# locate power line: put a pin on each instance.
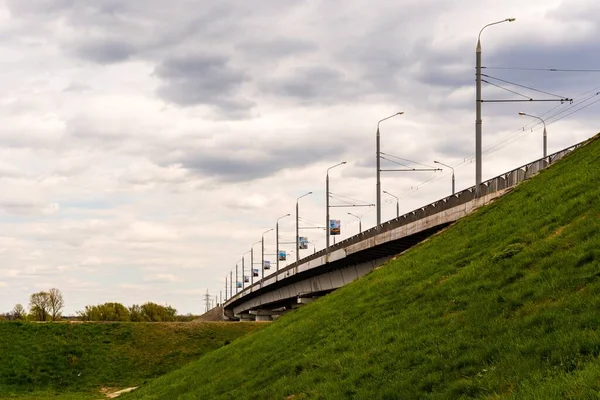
(395, 162)
(571, 113)
(523, 86)
(508, 90)
(544, 69)
(571, 107)
(339, 196)
(407, 160)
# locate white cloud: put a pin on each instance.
(144, 146)
(161, 278)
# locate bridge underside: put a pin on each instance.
(301, 288)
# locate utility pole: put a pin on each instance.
(327, 231)
(207, 301)
(277, 244)
(262, 252)
(478, 101)
(378, 159)
(298, 231)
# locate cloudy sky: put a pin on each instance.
(146, 145)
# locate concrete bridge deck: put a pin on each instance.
(356, 256)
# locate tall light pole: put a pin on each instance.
(397, 203)
(543, 122)
(378, 157)
(252, 262)
(478, 123)
(327, 210)
(262, 258)
(225, 287)
(298, 231)
(236, 278)
(445, 165)
(277, 242)
(231, 284)
(244, 268)
(359, 222)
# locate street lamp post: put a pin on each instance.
(236, 278)
(359, 222)
(378, 158)
(243, 272)
(478, 122)
(225, 287)
(277, 244)
(252, 262)
(298, 232)
(397, 203)
(262, 258)
(327, 210)
(231, 284)
(545, 138)
(445, 165)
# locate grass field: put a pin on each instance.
(74, 361)
(505, 304)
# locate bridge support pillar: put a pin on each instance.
(263, 315)
(246, 317)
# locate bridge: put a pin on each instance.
(326, 270)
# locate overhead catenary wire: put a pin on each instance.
(339, 197)
(576, 104)
(395, 162)
(407, 160)
(523, 86)
(543, 69)
(554, 117)
(508, 90)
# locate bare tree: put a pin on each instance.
(39, 305)
(55, 303)
(18, 312)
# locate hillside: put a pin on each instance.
(503, 304)
(77, 360)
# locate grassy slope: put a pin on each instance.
(38, 360)
(504, 304)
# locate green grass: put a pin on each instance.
(505, 304)
(43, 360)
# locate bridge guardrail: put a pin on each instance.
(500, 182)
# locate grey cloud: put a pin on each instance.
(577, 11)
(19, 7)
(583, 55)
(275, 48)
(238, 164)
(104, 50)
(202, 79)
(317, 83)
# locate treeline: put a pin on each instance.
(43, 306)
(48, 306)
(147, 312)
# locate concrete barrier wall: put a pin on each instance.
(445, 210)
